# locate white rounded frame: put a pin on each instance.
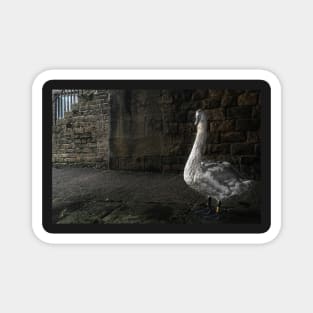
(158, 74)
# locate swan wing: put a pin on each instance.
(220, 179)
(221, 169)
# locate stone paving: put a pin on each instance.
(89, 195)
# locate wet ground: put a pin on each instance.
(88, 195)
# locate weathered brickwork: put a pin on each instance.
(81, 137)
(153, 130)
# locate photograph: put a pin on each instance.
(156, 156)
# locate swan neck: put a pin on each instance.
(199, 145)
(197, 151)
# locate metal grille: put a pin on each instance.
(64, 100)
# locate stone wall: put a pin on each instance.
(81, 138)
(153, 130)
(136, 140)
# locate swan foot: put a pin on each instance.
(218, 209)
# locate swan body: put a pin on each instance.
(216, 179)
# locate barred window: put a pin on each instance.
(64, 101)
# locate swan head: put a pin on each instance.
(200, 117)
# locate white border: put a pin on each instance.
(276, 125)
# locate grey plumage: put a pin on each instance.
(216, 179)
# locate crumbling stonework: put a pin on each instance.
(153, 130)
(81, 137)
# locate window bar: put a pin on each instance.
(58, 115)
(72, 99)
(66, 101)
(59, 105)
(62, 106)
(61, 101)
(69, 100)
(55, 108)
(73, 95)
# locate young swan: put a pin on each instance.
(216, 179)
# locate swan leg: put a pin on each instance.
(219, 207)
(209, 204)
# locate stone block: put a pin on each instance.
(222, 148)
(242, 149)
(248, 98)
(233, 136)
(216, 94)
(199, 94)
(210, 103)
(215, 114)
(238, 112)
(222, 126)
(248, 124)
(228, 100)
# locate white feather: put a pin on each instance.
(218, 179)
